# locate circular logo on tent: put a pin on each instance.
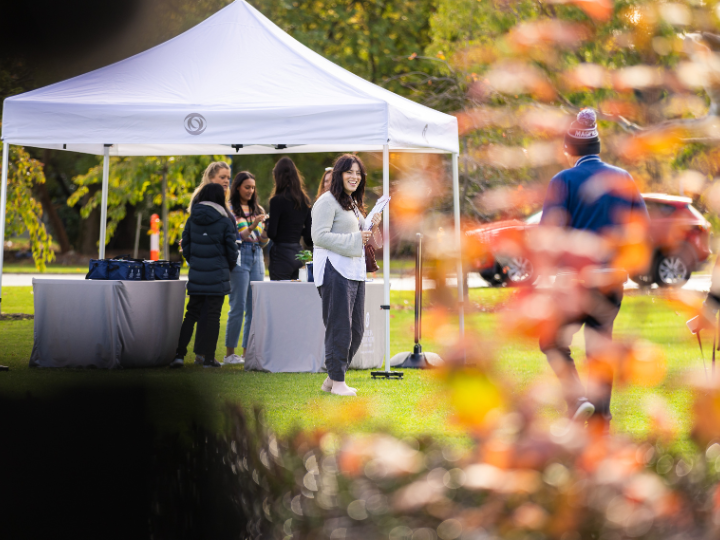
(367, 319)
(195, 123)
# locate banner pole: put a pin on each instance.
(386, 253)
(103, 205)
(458, 247)
(3, 203)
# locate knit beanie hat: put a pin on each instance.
(582, 138)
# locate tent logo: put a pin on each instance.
(195, 123)
(424, 133)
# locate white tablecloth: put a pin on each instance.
(106, 324)
(287, 332)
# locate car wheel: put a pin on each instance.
(493, 275)
(518, 271)
(643, 281)
(671, 270)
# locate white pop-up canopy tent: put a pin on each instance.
(234, 84)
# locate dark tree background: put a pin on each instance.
(46, 41)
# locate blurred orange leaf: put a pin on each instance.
(546, 32)
(661, 141)
(600, 10)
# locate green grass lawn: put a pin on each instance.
(413, 406)
(52, 268)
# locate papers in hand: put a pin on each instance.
(377, 209)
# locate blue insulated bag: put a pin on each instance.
(149, 270)
(162, 270)
(174, 270)
(167, 271)
(126, 270)
(98, 269)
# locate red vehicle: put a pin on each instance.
(680, 236)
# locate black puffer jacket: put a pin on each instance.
(208, 244)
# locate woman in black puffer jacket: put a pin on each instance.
(208, 244)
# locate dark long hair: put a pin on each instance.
(235, 202)
(342, 164)
(211, 193)
(289, 183)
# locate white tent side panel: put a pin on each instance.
(249, 83)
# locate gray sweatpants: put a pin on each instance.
(343, 308)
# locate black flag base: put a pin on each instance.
(416, 359)
(387, 374)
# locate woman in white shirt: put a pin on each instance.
(338, 220)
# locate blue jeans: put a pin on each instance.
(252, 268)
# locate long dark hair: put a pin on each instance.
(289, 183)
(343, 164)
(235, 202)
(211, 193)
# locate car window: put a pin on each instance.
(534, 219)
(658, 209)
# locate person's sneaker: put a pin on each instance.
(327, 385)
(199, 359)
(234, 359)
(211, 363)
(584, 411)
(177, 363)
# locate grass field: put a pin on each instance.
(413, 406)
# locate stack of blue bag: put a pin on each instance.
(125, 268)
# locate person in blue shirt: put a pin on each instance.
(595, 210)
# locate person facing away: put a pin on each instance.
(208, 244)
(338, 220)
(289, 220)
(251, 239)
(594, 205)
(217, 172)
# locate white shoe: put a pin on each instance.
(341, 389)
(584, 411)
(328, 384)
(234, 359)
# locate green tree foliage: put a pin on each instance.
(138, 181)
(23, 212)
(369, 38)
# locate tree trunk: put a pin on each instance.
(56, 224)
(89, 228)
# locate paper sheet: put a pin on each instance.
(377, 209)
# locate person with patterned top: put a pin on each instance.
(252, 237)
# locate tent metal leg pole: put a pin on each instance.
(458, 243)
(386, 253)
(387, 374)
(103, 206)
(3, 203)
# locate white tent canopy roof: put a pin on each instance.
(236, 78)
